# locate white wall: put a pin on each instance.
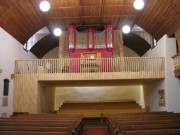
(151, 95)
(151, 89)
(98, 93)
(10, 51)
(166, 47)
(159, 50)
(172, 82)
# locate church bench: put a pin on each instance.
(96, 108)
(38, 121)
(141, 117)
(130, 119)
(73, 123)
(144, 117)
(76, 127)
(141, 114)
(43, 118)
(40, 126)
(49, 116)
(97, 113)
(152, 132)
(117, 122)
(32, 133)
(121, 129)
(21, 126)
(51, 124)
(143, 122)
(35, 129)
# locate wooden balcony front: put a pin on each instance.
(93, 69)
(176, 60)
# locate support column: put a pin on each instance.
(119, 43)
(63, 45)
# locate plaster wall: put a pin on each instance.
(98, 93)
(166, 47)
(10, 51)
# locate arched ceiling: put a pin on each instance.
(22, 18)
(44, 45)
(136, 43)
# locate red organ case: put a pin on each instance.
(90, 45)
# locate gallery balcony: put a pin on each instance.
(92, 69)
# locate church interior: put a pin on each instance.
(89, 67)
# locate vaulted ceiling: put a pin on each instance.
(23, 18)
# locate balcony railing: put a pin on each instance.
(176, 60)
(110, 68)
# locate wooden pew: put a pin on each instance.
(35, 129)
(129, 123)
(153, 132)
(31, 133)
(125, 128)
(96, 108)
(144, 122)
(34, 124)
(48, 116)
(52, 124)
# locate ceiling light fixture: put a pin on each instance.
(138, 4)
(126, 29)
(44, 6)
(57, 32)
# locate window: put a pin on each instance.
(154, 43)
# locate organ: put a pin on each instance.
(90, 45)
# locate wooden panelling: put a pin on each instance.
(46, 95)
(5, 5)
(25, 94)
(160, 17)
(22, 18)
